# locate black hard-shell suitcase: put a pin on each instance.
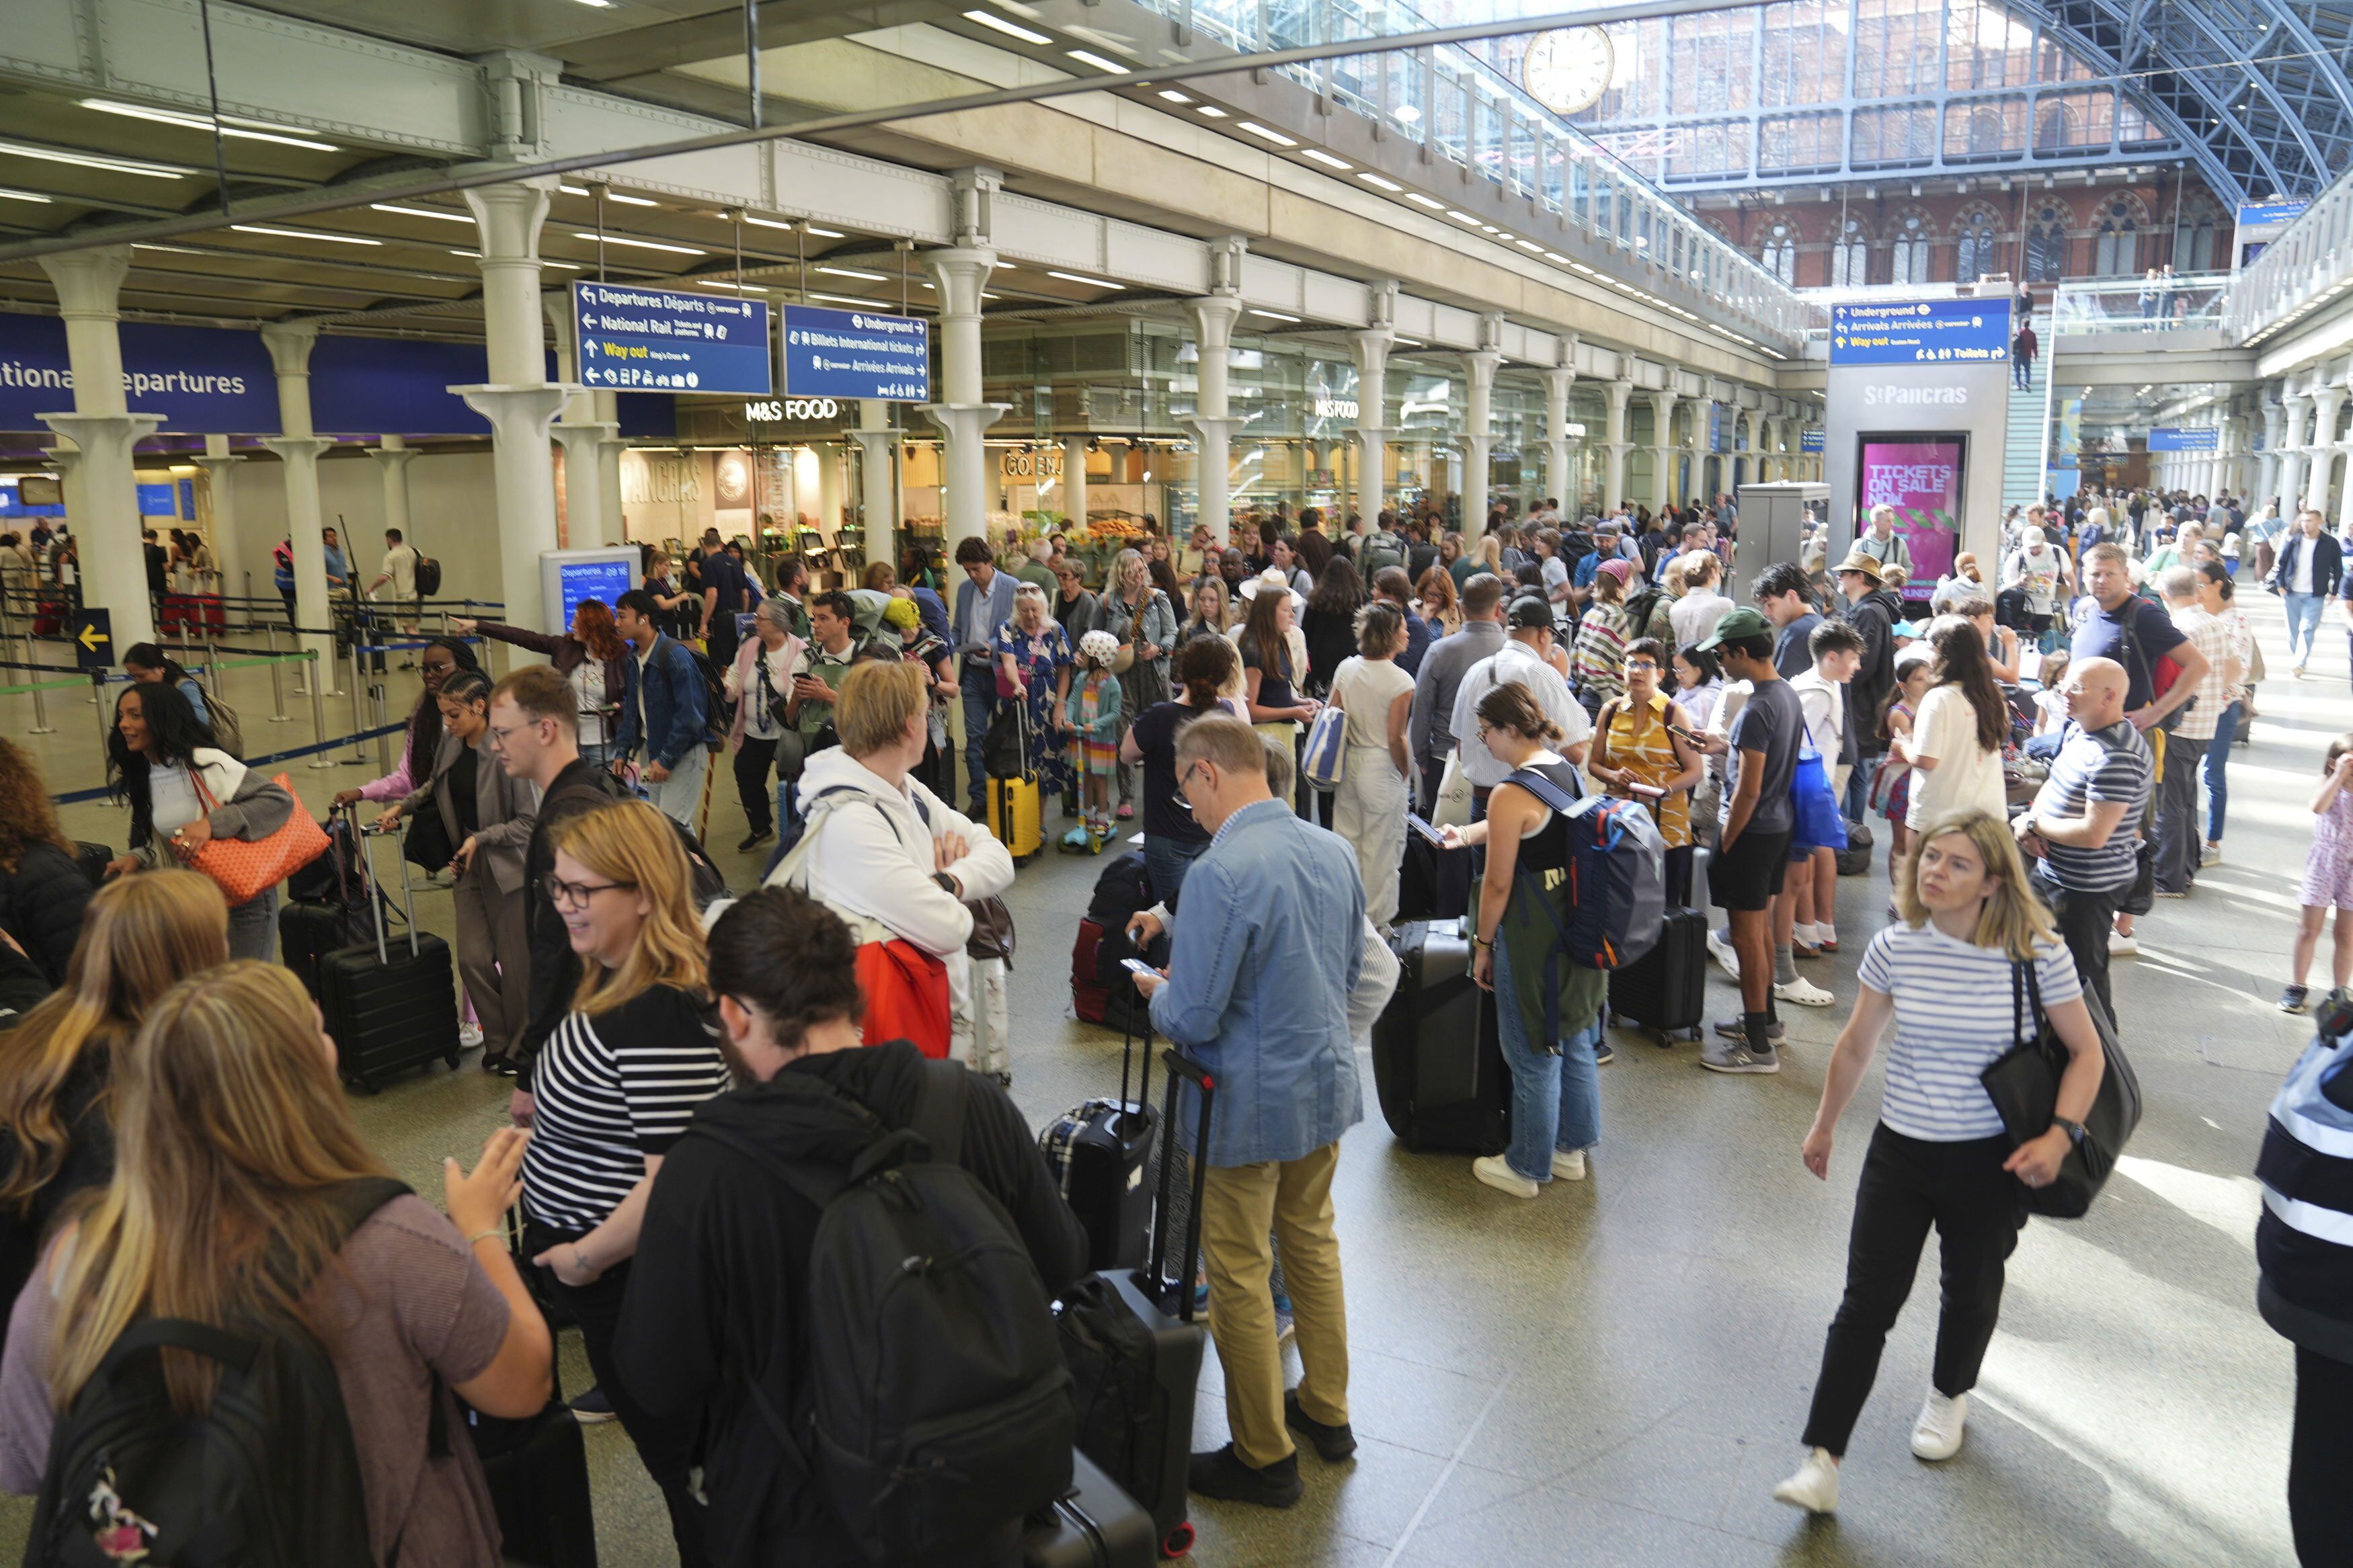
(1103, 1164)
(1094, 1525)
(390, 1011)
(1434, 884)
(536, 1467)
(1134, 1348)
(306, 934)
(1666, 991)
(1438, 1060)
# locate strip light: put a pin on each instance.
(236, 130)
(1329, 161)
(1089, 58)
(617, 199)
(1082, 278)
(1010, 29)
(1273, 315)
(9, 195)
(1379, 181)
(640, 244)
(864, 277)
(1417, 199)
(88, 161)
(419, 212)
(1266, 133)
(302, 234)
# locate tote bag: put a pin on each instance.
(1819, 823)
(1324, 754)
(2023, 1085)
(1453, 807)
(243, 869)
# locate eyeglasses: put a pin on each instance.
(1650, 665)
(566, 895)
(499, 736)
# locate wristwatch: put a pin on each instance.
(2074, 1130)
(949, 884)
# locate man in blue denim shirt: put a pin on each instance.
(1263, 953)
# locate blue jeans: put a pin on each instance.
(2217, 763)
(1555, 1098)
(1166, 861)
(979, 684)
(2303, 625)
(1857, 788)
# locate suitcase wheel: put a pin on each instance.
(1178, 1542)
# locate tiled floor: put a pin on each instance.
(1616, 1372)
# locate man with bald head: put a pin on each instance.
(2085, 824)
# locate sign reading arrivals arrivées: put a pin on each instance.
(857, 354)
(1920, 331)
(662, 340)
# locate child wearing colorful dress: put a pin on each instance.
(1091, 713)
(2328, 874)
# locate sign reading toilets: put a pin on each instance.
(661, 339)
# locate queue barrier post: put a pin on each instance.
(318, 710)
(383, 741)
(277, 681)
(97, 694)
(41, 725)
(359, 719)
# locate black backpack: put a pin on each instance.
(937, 1401)
(267, 1478)
(718, 708)
(428, 575)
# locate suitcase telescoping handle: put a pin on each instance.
(1181, 1067)
(365, 834)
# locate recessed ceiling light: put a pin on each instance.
(1378, 181)
(87, 161)
(1082, 278)
(768, 222)
(175, 249)
(642, 244)
(1266, 133)
(1329, 161)
(1460, 216)
(1010, 29)
(1405, 342)
(568, 265)
(595, 4)
(822, 232)
(8, 195)
(1528, 245)
(302, 234)
(617, 197)
(862, 277)
(1171, 95)
(847, 300)
(419, 212)
(1209, 109)
(1489, 228)
(739, 288)
(1432, 203)
(1089, 58)
(247, 132)
(573, 190)
(1557, 255)
(1273, 315)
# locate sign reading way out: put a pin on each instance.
(671, 341)
(857, 354)
(1920, 331)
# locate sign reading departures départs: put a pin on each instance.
(658, 340)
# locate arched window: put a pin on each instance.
(2117, 241)
(1908, 253)
(1850, 255)
(1976, 247)
(1779, 253)
(2046, 244)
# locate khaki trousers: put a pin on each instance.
(1240, 1204)
(493, 957)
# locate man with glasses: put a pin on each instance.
(534, 732)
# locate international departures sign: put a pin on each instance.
(857, 354)
(659, 339)
(1920, 331)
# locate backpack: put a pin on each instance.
(428, 575)
(1639, 609)
(1382, 548)
(938, 1406)
(717, 704)
(267, 1478)
(1608, 910)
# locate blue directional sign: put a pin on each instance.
(857, 354)
(1920, 331)
(657, 340)
(2270, 214)
(1810, 439)
(2168, 438)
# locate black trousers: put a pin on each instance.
(1908, 1187)
(2084, 921)
(2319, 1460)
(723, 642)
(2175, 825)
(1677, 871)
(753, 758)
(666, 1446)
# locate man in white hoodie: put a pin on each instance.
(886, 854)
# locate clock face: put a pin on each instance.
(1568, 69)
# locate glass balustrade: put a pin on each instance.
(2191, 300)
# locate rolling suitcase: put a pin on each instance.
(1438, 1060)
(1090, 998)
(1014, 816)
(1099, 1150)
(389, 1011)
(1094, 1525)
(1434, 884)
(1134, 1349)
(1665, 990)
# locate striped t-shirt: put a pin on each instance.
(1953, 1020)
(2111, 767)
(609, 1090)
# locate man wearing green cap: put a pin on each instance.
(1753, 849)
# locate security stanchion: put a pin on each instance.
(317, 713)
(105, 720)
(359, 719)
(383, 741)
(277, 681)
(41, 725)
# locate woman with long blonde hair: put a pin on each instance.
(140, 936)
(1971, 940)
(612, 1090)
(246, 1199)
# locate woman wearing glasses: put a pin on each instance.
(1638, 753)
(612, 1088)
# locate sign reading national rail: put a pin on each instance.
(857, 354)
(658, 340)
(1920, 331)
(2168, 438)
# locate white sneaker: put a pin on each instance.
(1568, 1165)
(2210, 856)
(1806, 935)
(469, 1035)
(1724, 955)
(1804, 993)
(1937, 1433)
(1497, 1173)
(2121, 945)
(1815, 1486)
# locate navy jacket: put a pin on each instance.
(678, 709)
(2327, 562)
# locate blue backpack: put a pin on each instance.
(1608, 910)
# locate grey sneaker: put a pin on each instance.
(1736, 1030)
(1728, 1056)
(2294, 999)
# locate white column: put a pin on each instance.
(1478, 368)
(298, 450)
(220, 466)
(2267, 461)
(1558, 384)
(1371, 347)
(2291, 476)
(1614, 445)
(878, 445)
(105, 432)
(1074, 482)
(1212, 427)
(518, 399)
(396, 454)
(611, 526)
(1662, 428)
(2322, 447)
(957, 274)
(580, 432)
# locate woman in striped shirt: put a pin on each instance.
(612, 1090)
(1598, 665)
(1939, 1155)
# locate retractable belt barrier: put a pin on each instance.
(77, 797)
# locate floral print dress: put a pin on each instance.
(1042, 657)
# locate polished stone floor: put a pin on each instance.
(1616, 1372)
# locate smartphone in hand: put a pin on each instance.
(1422, 826)
(1137, 966)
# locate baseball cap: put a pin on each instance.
(1736, 625)
(1528, 612)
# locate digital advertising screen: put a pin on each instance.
(1920, 477)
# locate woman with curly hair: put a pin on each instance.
(593, 660)
(42, 889)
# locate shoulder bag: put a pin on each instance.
(1324, 755)
(2023, 1085)
(906, 989)
(244, 869)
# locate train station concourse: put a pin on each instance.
(1367, 568)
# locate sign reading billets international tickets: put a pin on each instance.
(1920, 331)
(661, 339)
(857, 354)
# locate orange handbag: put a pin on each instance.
(906, 991)
(244, 869)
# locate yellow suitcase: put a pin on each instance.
(1014, 815)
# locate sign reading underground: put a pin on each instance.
(653, 340)
(857, 354)
(1920, 331)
